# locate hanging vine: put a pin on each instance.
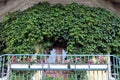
(82, 29)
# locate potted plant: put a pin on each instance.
(31, 63)
(59, 66)
(77, 63)
(99, 62)
(17, 63)
(96, 63)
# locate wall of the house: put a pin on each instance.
(14, 5)
(93, 3)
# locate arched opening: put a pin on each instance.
(57, 54)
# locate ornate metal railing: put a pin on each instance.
(59, 67)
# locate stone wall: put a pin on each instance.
(93, 3)
(24, 4)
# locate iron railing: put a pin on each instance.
(59, 67)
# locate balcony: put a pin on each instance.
(74, 67)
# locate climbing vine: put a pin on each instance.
(82, 29)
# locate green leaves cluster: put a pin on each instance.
(81, 28)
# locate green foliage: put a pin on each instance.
(81, 28)
(21, 75)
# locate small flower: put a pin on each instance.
(101, 59)
(67, 61)
(90, 61)
(78, 59)
(13, 59)
(18, 60)
(27, 59)
(41, 61)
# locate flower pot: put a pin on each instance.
(19, 66)
(39, 66)
(58, 66)
(79, 66)
(89, 67)
(48, 66)
(99, 66)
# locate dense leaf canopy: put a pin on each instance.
(81, 29)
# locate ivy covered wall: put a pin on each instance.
(81, 29)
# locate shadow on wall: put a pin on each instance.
(116, 2)
(4, 1)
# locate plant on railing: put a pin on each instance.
(94, 60)
(25, 60)
(74, 60)
(98, 60)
